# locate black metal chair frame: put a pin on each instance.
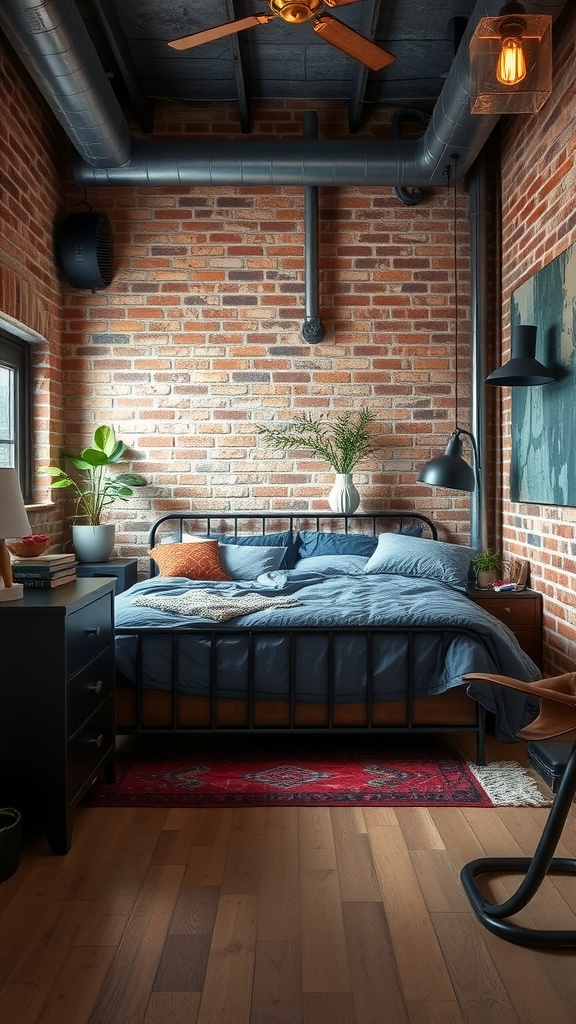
(494, 915)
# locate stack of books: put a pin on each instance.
(45, 571)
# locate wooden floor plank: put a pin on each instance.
(172, 1008)
(77, 985)
(41, 961)
(329, 1008)
(126, 990)
(196, 907)
(324, 964)
(435, 1013)
(418, 828)
(482, 997)
(356, 874)
(277, 989)
(425, 976)
(324, 958)
(375, 984)
(435, 873)
(228, 987)
(279, 897)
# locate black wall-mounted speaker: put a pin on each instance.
(85, 250)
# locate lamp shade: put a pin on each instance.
(522, 369)
(13, 518)
(450, 469)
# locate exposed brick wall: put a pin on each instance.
(197, 340)
(539, 222)
(31, 200)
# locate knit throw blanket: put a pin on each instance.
(207, 605)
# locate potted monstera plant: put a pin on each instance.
(95, 490)
(342, 443)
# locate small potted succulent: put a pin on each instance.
(342, 443)
(95, 490)
(486, 565)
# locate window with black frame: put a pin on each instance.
(15, 409)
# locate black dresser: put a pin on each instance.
(57, 725)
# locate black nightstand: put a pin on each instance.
(57, 720)
(124, 569)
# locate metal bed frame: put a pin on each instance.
(370, 524)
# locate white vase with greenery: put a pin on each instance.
(343, 496)
(95, 491)
(342, 443)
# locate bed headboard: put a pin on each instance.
(235, 524)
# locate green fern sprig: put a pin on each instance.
(342, 443)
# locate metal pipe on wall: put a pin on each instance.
(484, 323)
(312, 330)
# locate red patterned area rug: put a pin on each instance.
(280, 773)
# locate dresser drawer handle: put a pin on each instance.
(96, 687)
(99, 740)
(94, 631)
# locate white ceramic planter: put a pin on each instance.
(344, 497)
(93, 543)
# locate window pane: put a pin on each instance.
(15, 409)
(8, 385)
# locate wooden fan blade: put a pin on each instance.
(352, 43)
(219, 31)
(340, 3)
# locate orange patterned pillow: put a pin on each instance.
(196, 561)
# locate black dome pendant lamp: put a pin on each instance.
(522, 369)
(451, 470)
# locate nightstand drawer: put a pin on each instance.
(522, 613)
(89, 632)
(88, 689)
(89, 748)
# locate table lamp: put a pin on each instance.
(13, 523)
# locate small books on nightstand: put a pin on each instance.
(45, 571)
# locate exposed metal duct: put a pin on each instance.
(52, 42)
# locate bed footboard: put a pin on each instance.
(144, 704)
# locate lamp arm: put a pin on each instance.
(473, 442)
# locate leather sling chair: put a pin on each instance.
(557, 715)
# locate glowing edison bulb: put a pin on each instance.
(511, 67)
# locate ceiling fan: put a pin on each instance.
(296, 11)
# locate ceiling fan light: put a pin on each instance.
(511, 62)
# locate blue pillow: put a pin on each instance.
(283, 539)
(412, 556)
(243, 562)
(332, 565)
(412, 531)
(314, 542)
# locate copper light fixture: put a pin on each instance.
(511, 62)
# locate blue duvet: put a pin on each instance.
(410, 612)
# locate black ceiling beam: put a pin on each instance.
(238, 62)
(368, 26)
(106, 14)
